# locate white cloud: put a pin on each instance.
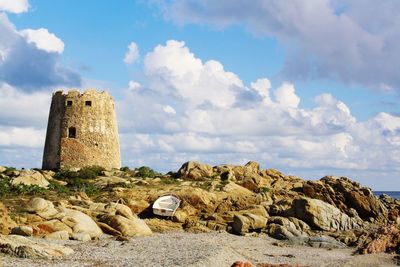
(286, 96)
(221, 120)
(353, 42)
(44, 40)
(12, 136)
(174, 70)
(132, 55)
(25, 66)
(23, 109)
(14, 6)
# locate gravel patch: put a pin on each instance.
(205, 249)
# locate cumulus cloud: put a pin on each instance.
(30, 60)
(286, 96)
(44, 40)
(353, 42)
(132, 55)
(14, 6)
(197, 110)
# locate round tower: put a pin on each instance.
(82, 131)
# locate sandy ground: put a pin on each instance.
(211, 249)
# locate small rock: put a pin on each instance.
(242, 264)
(2, 169)
(19, 246)
(23, 230)
(59, 235)
(128, 227)
(81, 237)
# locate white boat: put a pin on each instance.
(166, 205)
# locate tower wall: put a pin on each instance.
(82, 131)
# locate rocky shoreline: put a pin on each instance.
(260, 210)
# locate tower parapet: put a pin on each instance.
(82, 131)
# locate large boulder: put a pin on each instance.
(193, 170)
(346, 195)
(6, 223)
(81, 223)
(19, 246)
(321, 215)
(286, 228)
(30, 177)
(248, 222)
(127, 227)
(42, 207)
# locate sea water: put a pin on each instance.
(393, 194)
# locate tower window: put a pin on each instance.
(69, 103)
(88, 103)
(72, 132)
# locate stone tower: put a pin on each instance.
(81, 131)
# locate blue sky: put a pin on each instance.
(310, 88)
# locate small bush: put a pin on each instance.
(66, 175)
(59, 189)
(89, 172)
(146, 172)
(29, 190)
(5, 187)
(90, 189)
(265, 190)
(124, 169)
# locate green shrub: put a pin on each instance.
(59, 189)
(89, 172)
(146, 172)
(66, 175)
(124, 169)
(5, 187)
(90, 189)
(265, 190)
(21, 189)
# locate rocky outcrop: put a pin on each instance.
(193, 170)
(22, 247)
(30, 177)
(248, 222)
(6, 223)
(316, 213)
(346, 195)
(286, 228)
(385, 239)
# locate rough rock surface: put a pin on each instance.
(321, 215)
(345, 194)
(6, 223)
(193, 170)
(20, 246)
(127, 227)
(81, 223)
(386, 239)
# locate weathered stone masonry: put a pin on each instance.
(82, 131)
